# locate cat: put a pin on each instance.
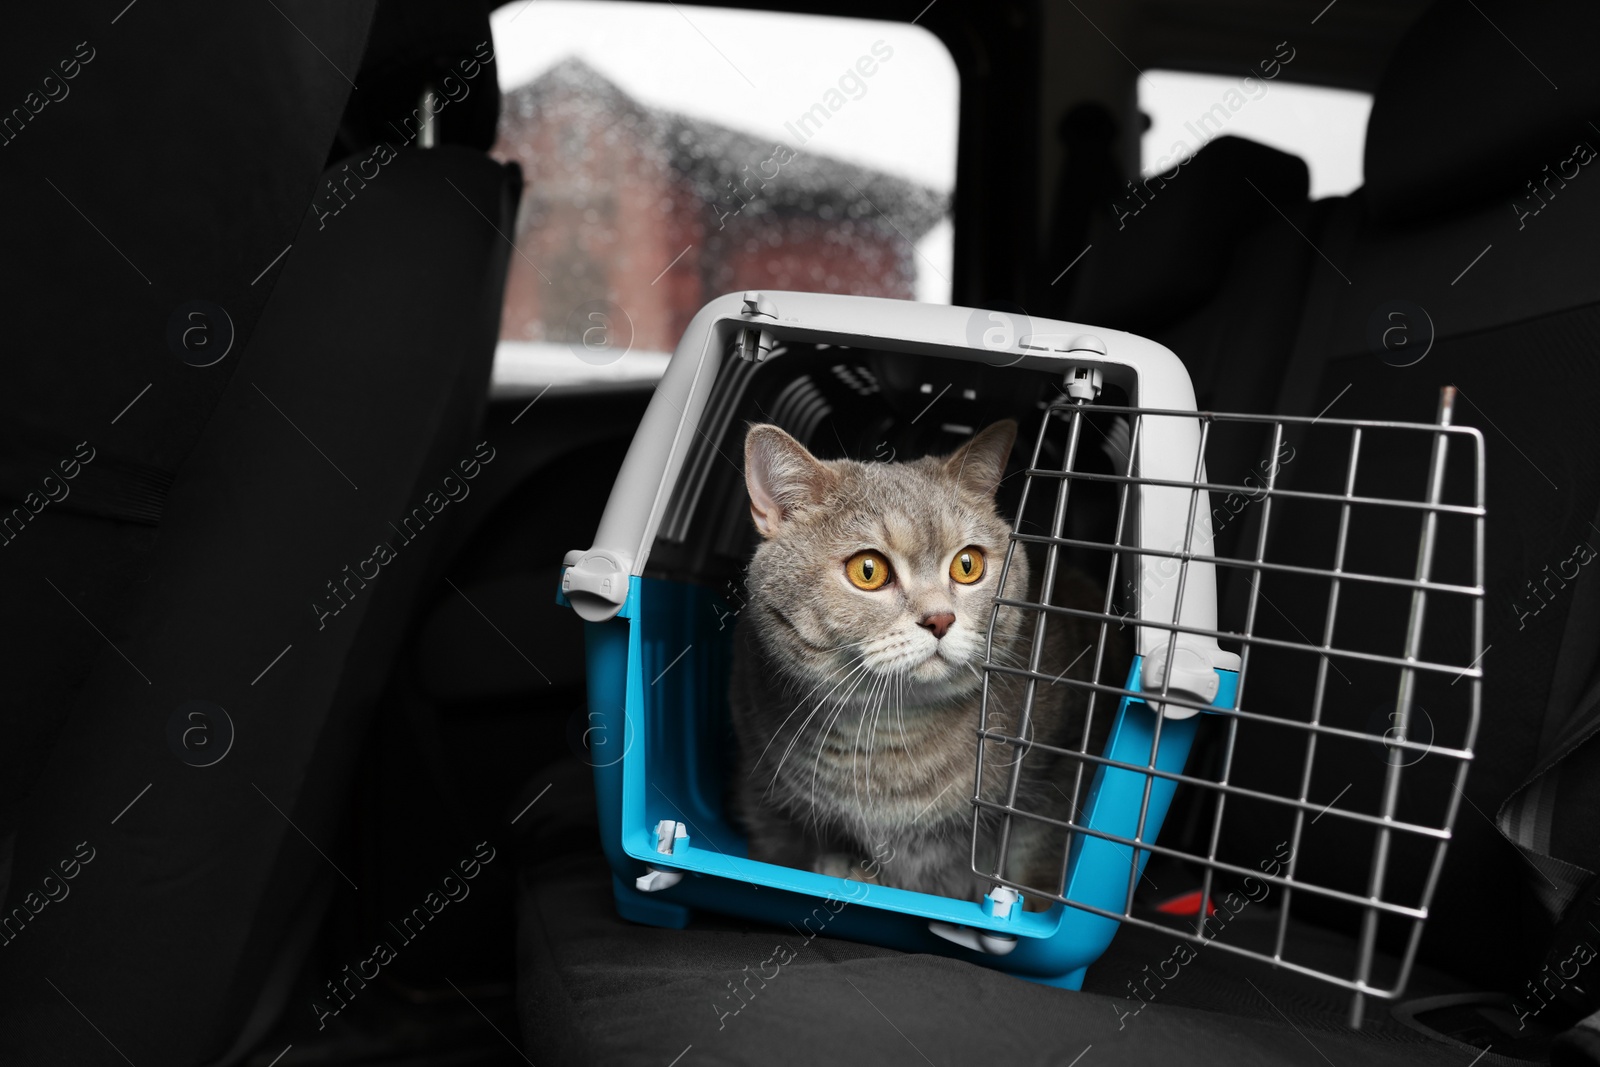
(857, 677)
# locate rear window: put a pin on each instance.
(1325, 127)
(675, 153)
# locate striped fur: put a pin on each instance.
(856, 726)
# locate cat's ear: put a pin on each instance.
(979, 464)
(781, 476)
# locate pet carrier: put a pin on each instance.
(1123, 478)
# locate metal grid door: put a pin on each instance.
(1330, 556)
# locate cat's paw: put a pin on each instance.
(833, 864)
(841, 865)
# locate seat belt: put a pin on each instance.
(1563, 994)
(1557, 809)
(1528, 817)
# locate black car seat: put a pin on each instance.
(118, 239)
(1476, 211)
(358, 391)
(1205, 259)
(1460, 121)
(1476, 220)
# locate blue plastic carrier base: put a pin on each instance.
(659, 738)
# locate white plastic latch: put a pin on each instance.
(654, 880)
(985, 941)
(758, 305)
(668, 834)
(1193, 676)
(754, 346)
(596, 586)
(1000, 900)
(1083, 382)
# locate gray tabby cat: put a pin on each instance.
(856, 680)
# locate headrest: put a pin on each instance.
(1168, 240)
(1478, 97)
(415, 44)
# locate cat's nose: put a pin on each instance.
(938, 623)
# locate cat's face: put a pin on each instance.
(879, 574)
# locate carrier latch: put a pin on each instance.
(755, 345)
(1083, 382)
(1193, 675)
(596, 585)
(668, 834)
(1000, 902)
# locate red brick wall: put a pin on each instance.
(603, 215)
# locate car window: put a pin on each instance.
(675, 153)
(1325, 127)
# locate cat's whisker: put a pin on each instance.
(853, 680)
(863, 717)
(860, 667)
(795, 680)
(798, 705)
(777, 771)
(872, 735)
(900, 711)
(855, 752)
(891, 681)
(890, 698)
(822, 739)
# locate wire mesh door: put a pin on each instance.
(1348, 567)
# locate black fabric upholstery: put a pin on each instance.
(1090, 177)
(1478, 97)
(361, 389)
(1213, 268)
(1530, 523)
(1511, 309)
(1509, 306)
(1166, 243)
(596, 989)
(508, 548)
(1270, 312)
(122, 191)
(420, 43)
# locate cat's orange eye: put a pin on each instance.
(967, 567)
(867, 570)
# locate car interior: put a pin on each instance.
(301, 418)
